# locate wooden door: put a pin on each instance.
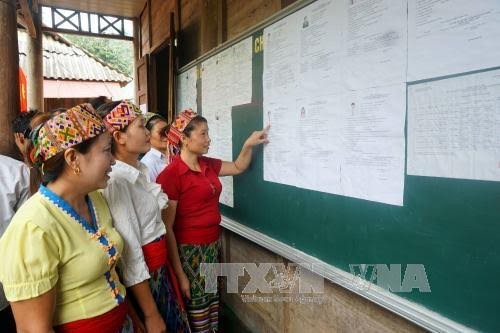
(141, 87)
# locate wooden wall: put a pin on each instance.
(189, 34)
(144, 31)
(160, 25)
(201, 24)
(242, 15)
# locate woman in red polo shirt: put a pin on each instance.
(192, 184)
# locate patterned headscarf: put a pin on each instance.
(175, 132)
(121, 116)
(64, 131)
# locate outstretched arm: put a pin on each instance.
(245, 156)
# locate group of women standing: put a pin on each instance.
(102, 247)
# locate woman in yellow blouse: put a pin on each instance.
(60, 250)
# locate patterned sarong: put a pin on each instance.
(166, 301)
(203, 308)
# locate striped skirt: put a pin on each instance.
(203, 308)
(166, 300)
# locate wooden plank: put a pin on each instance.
(142, 76)
(81, 33)
(160, 22)
(190, 12)
(144, 30)
(189, 35)
(242, 15)
(208, 25)
(153, 83)
(148, 13)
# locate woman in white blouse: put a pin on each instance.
(155, 158)
(136, 204)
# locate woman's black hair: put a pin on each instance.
(21, 124)
(98, 101)
(153, 120)
(105, 108)
(192, 124)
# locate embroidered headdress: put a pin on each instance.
(175, 132)
(121, 116)
(64, 131)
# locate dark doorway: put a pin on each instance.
(159, 81)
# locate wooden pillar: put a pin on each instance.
(34, 68)
(9, 74)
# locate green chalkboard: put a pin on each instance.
(450, 226)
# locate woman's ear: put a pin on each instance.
(119, 137)
(20, 140)
(71, 157)
(183, 138)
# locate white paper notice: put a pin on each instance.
(447, 37)
(374, 144)
(329, 132)
(226, 82)
(318, 143)
(280, 80)
(186, 93)
(320, 48)
(280, 154)
(281, 45)
(375, 43)
(454, 127)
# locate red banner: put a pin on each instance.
(22, 91)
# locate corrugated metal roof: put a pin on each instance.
(63, 60)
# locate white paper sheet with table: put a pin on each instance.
(454, 127)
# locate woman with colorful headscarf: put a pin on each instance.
(192, 184)
(60, 250)
(136, 203)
